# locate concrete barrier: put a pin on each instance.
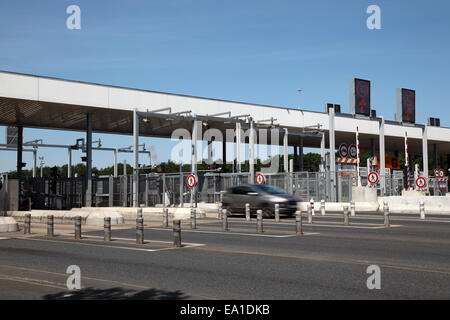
(339, 206)
(411, 205)
(92, 218)
(8, 224)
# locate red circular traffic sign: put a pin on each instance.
(372, 177)
(191, 180)
(436, 173)
(343, 150)
(421, 182)
(260, 178)
(441, 173)
(352, 151)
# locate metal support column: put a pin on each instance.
(425, 152)
(285, 151)
(300, 152)
(322, 152)
(116, 153)
(89, 160)
(251, 159)
(19, 159)
(238, 147)
(332, 156)
(224, 152)
(382, 159)
(34, 161)
(69, 163)
(194, 157)
(136, 158)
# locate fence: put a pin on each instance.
(171, 189)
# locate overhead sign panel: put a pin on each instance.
(406, 105)
(360, 97)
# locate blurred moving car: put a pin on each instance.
(260, 197)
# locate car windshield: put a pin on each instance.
(269, 189)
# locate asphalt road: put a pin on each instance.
(328, 262)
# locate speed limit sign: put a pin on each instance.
(373, 177)
(421, 182)
(343, 150)
(191, 181)
(260, 179)
(352, 150)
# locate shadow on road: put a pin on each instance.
(116, 294)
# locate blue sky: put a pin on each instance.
(253, 51)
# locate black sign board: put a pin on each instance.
(406, 105)
(360, 97)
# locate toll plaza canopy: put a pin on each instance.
(49, 103)
(43, 102)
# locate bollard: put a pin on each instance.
(219, 213)
(177, 233)
(277, 212)
(422, 209)
(165, 218)
(50, 226)
(346, 223)
(247, 212)
(139, 213)
(298, 223)
(259, 221)
(29, 203)
(27, 224)
(78, 227)
(309, 214)
(107, 229)
(311, 203)
(224, 220)
(139, 231)
(386, 214)
(322, 207)
(352, 208)
(193, 219)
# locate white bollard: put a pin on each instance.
(277, 212)
(352, 208)
(422, 209)
(322, 207)
(247, 212)
(311, 203)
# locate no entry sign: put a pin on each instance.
(343, 150)
(373, 177)
(421, 182)
(260, 179)
(352, 151)
(191, 181)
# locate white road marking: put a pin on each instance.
(360, 226)
(115, 247)
(2, 238)
(240, 234)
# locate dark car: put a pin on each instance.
(259, 196)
